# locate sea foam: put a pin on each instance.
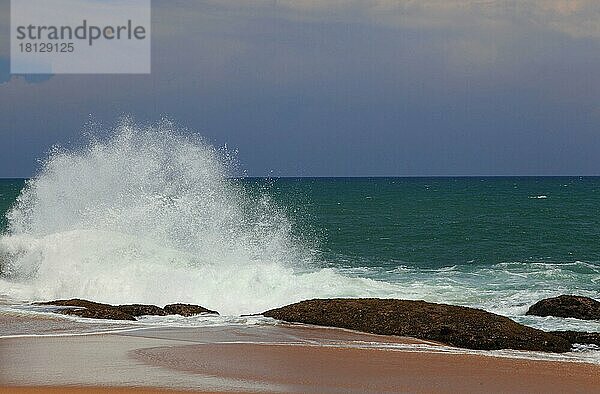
(151, 215)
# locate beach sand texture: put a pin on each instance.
(280, 358)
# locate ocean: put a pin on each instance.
(150, 216)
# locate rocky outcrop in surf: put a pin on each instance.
(186, 310)
(89, 309)
(579, 337)
(96, 310)
(141, 310)
(453, 325)
(567, 306)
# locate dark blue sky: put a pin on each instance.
(344, 88)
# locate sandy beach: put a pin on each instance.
(85, 390)
(282, 358)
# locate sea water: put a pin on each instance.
(150, 214)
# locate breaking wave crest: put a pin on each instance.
(150, 215)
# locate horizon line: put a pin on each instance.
(376, 176)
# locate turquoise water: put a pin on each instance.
(437, 222)
(154, 217)
(496, 243)
(9, 190)
(432, 222)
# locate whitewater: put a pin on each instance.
(148, 215)
(154, 214)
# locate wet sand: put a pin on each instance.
(270, 359)
(343, 370)
(86, 390)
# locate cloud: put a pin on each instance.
(576, 18)
(405, 81)
(467, 38)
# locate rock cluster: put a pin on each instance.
(449, 324)
(185, 310)
(96, 310)
(453, 325)
(567, 306)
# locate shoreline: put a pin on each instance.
(91, 390)
(316, 369)
(278, 358)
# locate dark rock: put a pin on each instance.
(141, 310)
(592, 338)
(453, 325)
(98, 313)
(89, 309)
(97, 310)
(186, 310)
(567, 306)
(75, 302)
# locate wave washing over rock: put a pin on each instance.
(454, 325)
(149, 215)
(152, 215)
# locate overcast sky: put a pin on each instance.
(344, 88)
